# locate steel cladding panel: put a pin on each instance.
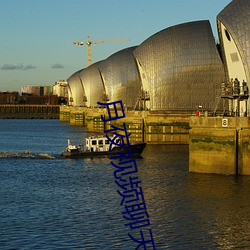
(236, 18)
(92, 84)
(76, 89)
(121, 77)
(182, 66)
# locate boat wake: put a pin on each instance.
(26, 154)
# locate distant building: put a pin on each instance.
(9, 97)
(47, 90)
(30, 90)
(38, 95)
(60, 89)
(40, 100)
(37, 90)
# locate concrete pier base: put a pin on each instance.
(153, 128)
(216, 145)
(219, 145)
(64, 114)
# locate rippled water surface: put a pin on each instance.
(54, 203)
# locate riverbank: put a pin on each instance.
(25, 111)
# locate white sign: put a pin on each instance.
(224, 123)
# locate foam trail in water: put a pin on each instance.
(26, 154)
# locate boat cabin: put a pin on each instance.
(95, 144)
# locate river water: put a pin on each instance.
(53, 203)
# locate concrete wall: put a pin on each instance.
(219, 145)
(167, 129)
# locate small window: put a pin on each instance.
(94, 142)
(227, 35)
(234, 57)
(100, 142)
(106, 141)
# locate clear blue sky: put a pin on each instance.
(36, 35)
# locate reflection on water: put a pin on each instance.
(73, 204)
(223, 202)
(194, 211)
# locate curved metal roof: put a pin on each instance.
(121, 77)
(76, 91)
(92, 84)
(181, 67)
(236, 18)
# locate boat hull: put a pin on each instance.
(135, 150)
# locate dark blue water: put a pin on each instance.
(73, 204)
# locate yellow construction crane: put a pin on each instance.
(89, 43)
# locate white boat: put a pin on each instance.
(101, 146)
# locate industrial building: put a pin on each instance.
(9, 97)
(37, 90)
(40, 95)
(60, 89)
(178, 69)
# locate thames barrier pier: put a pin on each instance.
(219, 145)
(153, 128)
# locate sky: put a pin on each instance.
(36, 35)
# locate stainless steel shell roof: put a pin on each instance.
(121, 77)
(236, 18)
(75, 88)
(181, 67)
(92, 84)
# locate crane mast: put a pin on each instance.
(89, 44)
